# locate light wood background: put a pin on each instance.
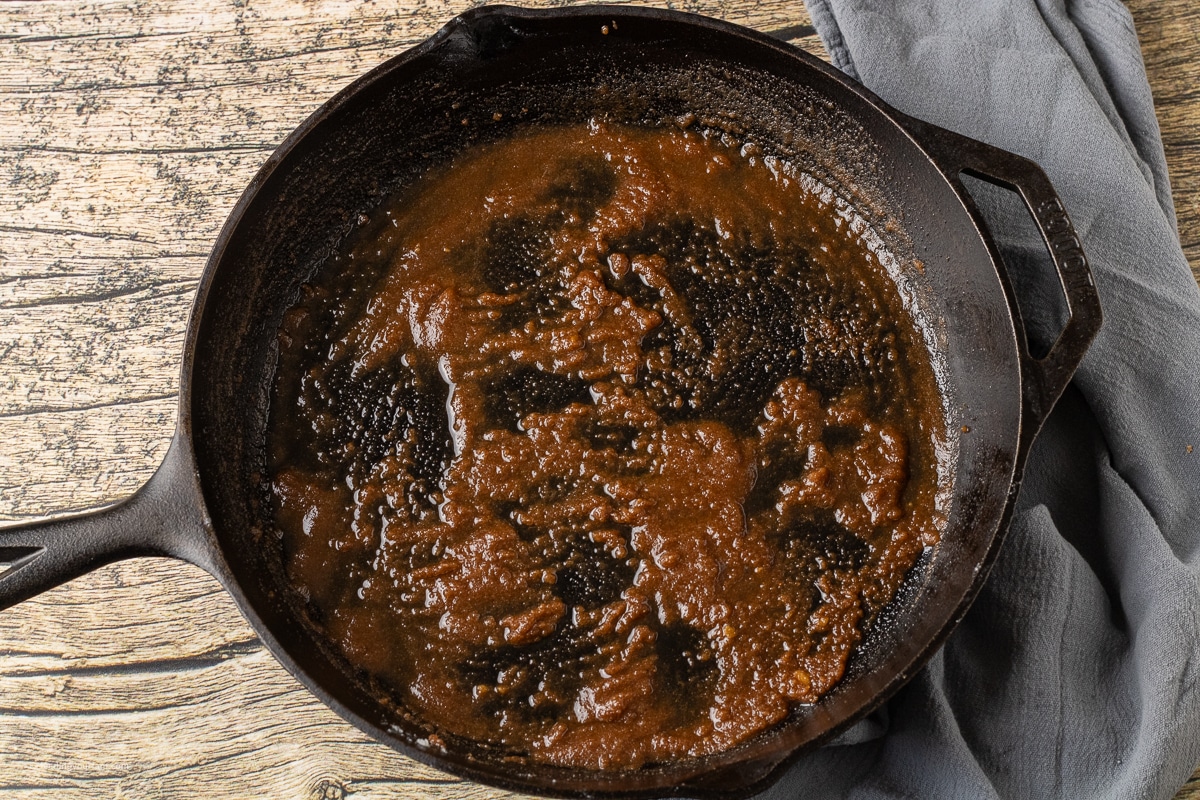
(128, 128)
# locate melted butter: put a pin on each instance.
(606, 448)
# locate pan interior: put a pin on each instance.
(496, 74)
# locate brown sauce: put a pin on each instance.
(601, 446)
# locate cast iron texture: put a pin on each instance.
(488, 73)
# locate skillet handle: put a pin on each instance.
(1045, 378)
(164, 518)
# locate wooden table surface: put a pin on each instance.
(127, 131)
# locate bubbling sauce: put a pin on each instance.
(600, 446)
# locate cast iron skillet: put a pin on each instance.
(485, 74)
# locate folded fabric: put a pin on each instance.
(1074, 674)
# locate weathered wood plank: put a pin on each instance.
(1170, 37)
(143, 680)
(71, 460)
(127, 131)
(1191, 789)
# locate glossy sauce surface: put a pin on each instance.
(600, 446)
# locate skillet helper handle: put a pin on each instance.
(163, 518)
(1045, 377)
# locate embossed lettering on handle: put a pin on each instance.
(1057, 228)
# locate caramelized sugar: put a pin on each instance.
(600, 446)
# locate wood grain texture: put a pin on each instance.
(127, 131)
(1170, 37)
(1169, 33)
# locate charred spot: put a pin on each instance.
(528, 390)
(746, 314)
(540, 681)
(356, 421)
(631, 286)
(779, 462)
(433, 449)
(592, 585)
(760, 312)
(686, 668)
(583, 187)
(817, 543)
(590, 575)
(517, 258)
(840, 437)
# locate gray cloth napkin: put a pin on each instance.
(1075, 673)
